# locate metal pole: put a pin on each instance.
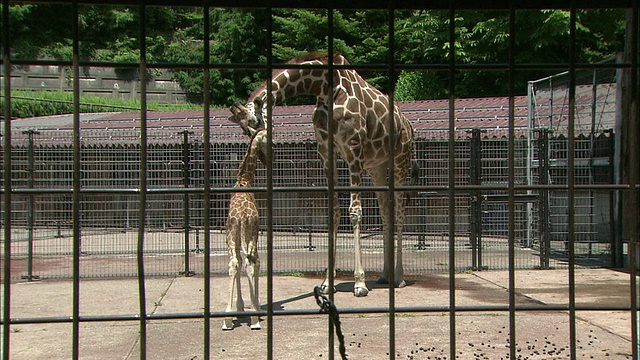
(543, 204)
(206, 145)
(143, 183)
(476, 200)
(391, 230)
(616, 246)
(571, 180)
(331, 182)
(592, 141)
(451, 177)
(76, 195)
(269, 212)
(6, 196)
(30, 203)
(631, 199)
(529, 162)
(186, 156)
(309, 202)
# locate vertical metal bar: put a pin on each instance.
(206, 143)
(511, 185)
(475, 167)
(186, 155)
(543, 201)
(331, 175)
(269, 184)
(31, 201)
(529, 163)
(616, 250)
(634, 171)
(592, 141)
(391, 230)
(452, 182)
(76, 196)
(6, 198)
(142, 214)
(550, 125)
(571, 179)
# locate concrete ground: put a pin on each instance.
(479, 334)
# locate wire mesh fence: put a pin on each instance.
(42, 221)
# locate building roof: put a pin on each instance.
(430, 119)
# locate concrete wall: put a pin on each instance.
(95, 81)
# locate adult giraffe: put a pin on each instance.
(361, 138)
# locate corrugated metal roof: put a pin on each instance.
(430, 119)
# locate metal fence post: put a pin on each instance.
(186, 163)
(31, 206)
(616, 246)
(543, 201)
(475, 225)
(309, 150)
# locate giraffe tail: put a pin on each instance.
(414, 174)
(414, 179)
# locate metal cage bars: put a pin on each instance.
(452, 187)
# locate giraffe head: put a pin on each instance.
(249, 119)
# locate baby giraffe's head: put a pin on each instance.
(248, 116)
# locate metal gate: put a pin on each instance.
(172, 193)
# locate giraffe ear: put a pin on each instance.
(235, 109)
(258, 110)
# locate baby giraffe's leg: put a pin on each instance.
(234, 289)
(253, 273)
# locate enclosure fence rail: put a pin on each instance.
(546, 201)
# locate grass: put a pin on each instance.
(99, 100)
(289, 273)
(58, 102)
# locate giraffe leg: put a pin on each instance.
(355, 211)
(234, 243)
(383, 205)
(400, 216)
(319, 119)
(336, 221)
(234, 290)
(253, 273)
(400, 174)
(389, 241)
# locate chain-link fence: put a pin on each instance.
(594, 117)
(42, 222)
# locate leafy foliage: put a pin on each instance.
(238, 36)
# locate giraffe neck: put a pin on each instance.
(289, 83)
(247, 169)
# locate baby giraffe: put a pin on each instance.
(242, 233)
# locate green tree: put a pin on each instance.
(237, 36)
(176, 35)
(483, 38)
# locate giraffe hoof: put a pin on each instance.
(401, 284)
(256, 326)
(325, 290)
(227, 325)
(360, 292)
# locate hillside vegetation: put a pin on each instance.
(175, 35)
